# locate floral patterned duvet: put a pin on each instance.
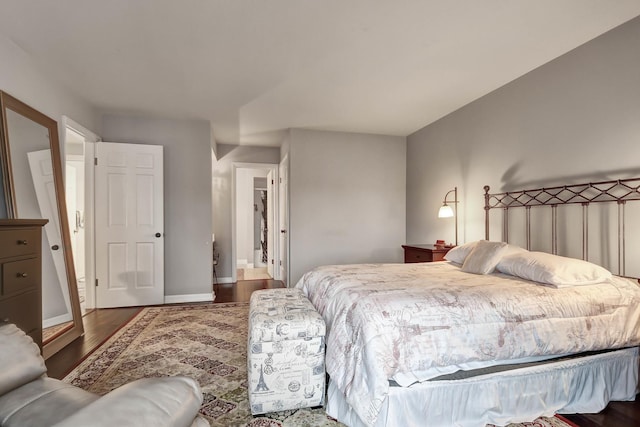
(413, 322)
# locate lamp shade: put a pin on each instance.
(445, 212)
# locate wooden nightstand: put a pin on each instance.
(424, 253)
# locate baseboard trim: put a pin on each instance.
(223, 280)
(176, 299)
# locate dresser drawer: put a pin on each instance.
(20, 276)
(19, 242)
(24, 310)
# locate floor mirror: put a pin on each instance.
(33, 188)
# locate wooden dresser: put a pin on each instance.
(424, 253)
(21, 279)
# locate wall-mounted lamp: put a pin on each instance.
(446, 211)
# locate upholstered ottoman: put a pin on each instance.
(285, 353)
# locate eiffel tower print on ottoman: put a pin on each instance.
(285, 353)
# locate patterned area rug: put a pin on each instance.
(206, 342)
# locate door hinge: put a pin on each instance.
(280, 263)
(272, 261)
(280, 180)
(96, 283)
(272, 182)
(95, 161)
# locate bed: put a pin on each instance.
(496, 334)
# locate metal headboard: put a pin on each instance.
(618, 191)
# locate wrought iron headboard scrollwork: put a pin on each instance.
(616, 191)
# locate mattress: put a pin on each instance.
(412, 322)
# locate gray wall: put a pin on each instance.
(573, 120)
(347, 199)
(286, 144)
(24, 79)
(227, 155)
(187, 194)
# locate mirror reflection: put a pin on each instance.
(35, 198)
(34, 191)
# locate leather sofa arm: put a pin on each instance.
(167, 401)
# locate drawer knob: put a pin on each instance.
(23, 242)
(22, 275)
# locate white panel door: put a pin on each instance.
(284, 220)
(129, 225)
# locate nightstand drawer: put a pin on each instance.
(20, 276)
(417, 256)
(424, 253)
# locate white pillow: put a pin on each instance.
(484, 257)
(552, 269)
(460, 253)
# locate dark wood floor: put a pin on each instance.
(101, 324)
(616, 414)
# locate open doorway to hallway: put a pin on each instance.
(252, 224)
(254, 221)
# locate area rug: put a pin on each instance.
(207, 342)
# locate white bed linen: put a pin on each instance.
(583, 385)
(412, 322)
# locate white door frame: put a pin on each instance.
(283, 221)
(271, 214)
(90, 139)
(239, 165)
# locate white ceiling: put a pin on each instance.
(256, 67)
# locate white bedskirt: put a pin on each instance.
(582, 385)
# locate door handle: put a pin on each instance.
(55, 247)
(158, 235)
(283, 231)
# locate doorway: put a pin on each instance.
(78, 153)
(74, 188)
(138, 180)
(254, 213)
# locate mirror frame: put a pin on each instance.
(8, 102)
